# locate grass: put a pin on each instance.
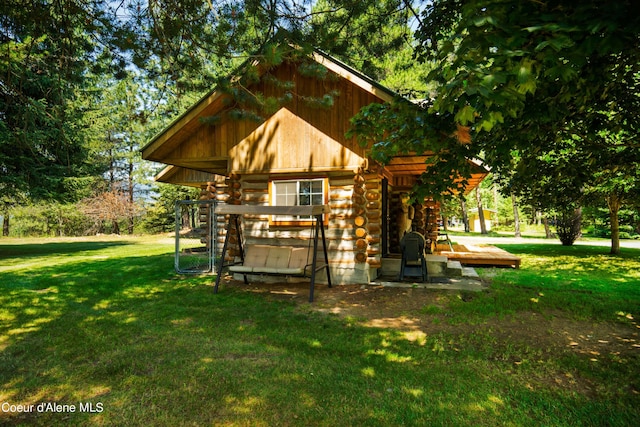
(582, 280)
(109, 323)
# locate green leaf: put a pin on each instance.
(557, 43)
(486, 125)
(494, 117)
(525, 72)
(466, 115)
(483, 20)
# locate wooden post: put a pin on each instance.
(320, 228)
(233, 218)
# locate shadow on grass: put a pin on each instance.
(155, 348)
(54, 248)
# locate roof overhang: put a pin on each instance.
(218, 165)
(361, 80)
(188, 177)
(412, 166)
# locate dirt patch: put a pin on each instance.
(512, 340)
(425, 311)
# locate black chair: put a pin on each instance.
(413, 261)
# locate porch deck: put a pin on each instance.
(479, 255)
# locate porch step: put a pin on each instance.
(470, 273)
(454, 269)
(438, 266)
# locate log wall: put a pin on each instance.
(352, 230)
(373, 197)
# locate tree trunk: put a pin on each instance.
(547, 230)
(112, 166)
(465, 216)
(131, 184)
(516, 217)
(483, 225)
(5, 224)
(496, 205)
(60, 223)
(445, 223)
(614, 202)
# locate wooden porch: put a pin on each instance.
(479, 255)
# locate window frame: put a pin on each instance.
(300, 222)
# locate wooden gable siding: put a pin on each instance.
(312, 136)
(186, 128)
(302, 136)
(286, 143)
(207, 147)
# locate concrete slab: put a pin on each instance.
(436, 265)
(435, 258)
(451, 284)
(390, 266)
(454, 269)
(470, 272)
(469, 280)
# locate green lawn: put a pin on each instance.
(107, 325)
(585, 282)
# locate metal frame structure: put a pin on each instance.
(236, 211)
(196, 252)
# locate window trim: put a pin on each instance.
(297, 222)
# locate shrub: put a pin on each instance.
(568, 226)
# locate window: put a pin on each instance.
(299, 192)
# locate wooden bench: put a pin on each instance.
(277, 260)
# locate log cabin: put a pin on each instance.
(297, 155)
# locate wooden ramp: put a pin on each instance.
(479, 255)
